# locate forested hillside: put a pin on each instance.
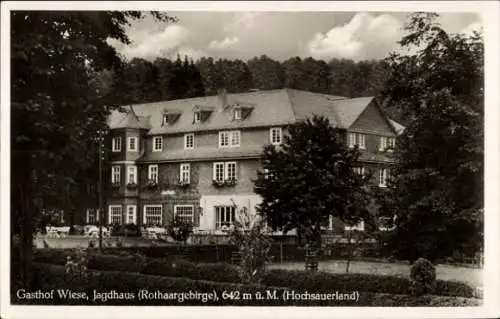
(142, 81)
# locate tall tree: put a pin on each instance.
(267, 73)
(165, 73)
(195, 82)
(178, 86)
(309, 178)
(211, 75)
(438, 181)
(56, 107)
(294, 73)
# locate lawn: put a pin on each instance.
(471, 276)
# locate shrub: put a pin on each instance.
(179, 229)
(171, 266)
(47, 277)
(423, 277)
(324, 282)
(249, 236)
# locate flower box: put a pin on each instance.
(131, 185)
(152, 184)
(224, 183)
(183, 183)
(115, 185)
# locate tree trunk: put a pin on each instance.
(26, 233)
(349, 237)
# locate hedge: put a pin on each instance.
(296, 279)
(167, 266)
(49, 277)
(322, 281)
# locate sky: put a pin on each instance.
(279, 35)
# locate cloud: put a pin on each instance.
(224, 44)
(149, 44)
(242, 20)
(365, 36)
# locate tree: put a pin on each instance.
(309, 178)
(178, 86)
(267, 73)
(249, 235)
(56, 108)
(195, 82)
(437, 190)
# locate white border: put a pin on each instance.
(489, 11)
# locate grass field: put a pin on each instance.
(471, 276)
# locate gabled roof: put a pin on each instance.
(348, 110)
(128, 119)
(397, 127)
(270, 108)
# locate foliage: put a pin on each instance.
(49, 277)
(179, 229)
(294, 279)
(437, 190)
(249, 235)
(310, 177)
(423, 277)
(77, 265)
(57, 105)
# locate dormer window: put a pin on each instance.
(197, 117)
(237, 114)
(201, 113)
(165, 120)
(170, 116)
(241, 111)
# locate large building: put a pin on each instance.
(198, 157)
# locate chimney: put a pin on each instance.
(222, 93)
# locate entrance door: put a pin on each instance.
(131, 214)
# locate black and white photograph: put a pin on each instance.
(305, 158)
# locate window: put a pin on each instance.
(152, 215)
(115, 175)
(387, 143)
(359, 170)
(197, 117)
(219, 171)
(189, 141)
(185, 213)
(266, 173)
(237, 114)
(229, 138)
(357, 139)
(185, 173)
(131, 214)
(224, 216)
(223, 171)
(132, 175)
(223, 139)
(275, 135)
(153, 173)
(117, 144)
(235, 138)
(91, 216)
(383, 176)
(132, 144)
(115, 214)
(165, 120)
(231, 170)
(157, 144)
